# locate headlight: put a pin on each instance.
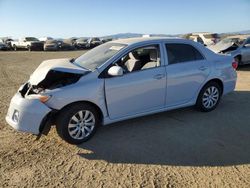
(41, 98)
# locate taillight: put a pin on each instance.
(235, 65)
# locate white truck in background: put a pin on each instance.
(29, 43)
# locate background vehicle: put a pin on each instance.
(7, 42)
(67, 44)
(3, 46)
(81, 43)
(29, 43)
(237, 46)
(204, 38)
(51, 45)
(106, 40)
(120, 80)
(44, 39)
(93, 42)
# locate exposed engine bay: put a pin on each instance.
(54, 79)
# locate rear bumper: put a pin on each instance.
(26, 114)
(229, 86)
(230, 83)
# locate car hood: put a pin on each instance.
(221, 46)
(59, 65)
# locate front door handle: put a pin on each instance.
(159, 76)
(203, 68)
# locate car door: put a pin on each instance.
(187, 70)
(245, 51)
(22, 42)
(137, 91)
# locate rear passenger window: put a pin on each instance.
(178, 53)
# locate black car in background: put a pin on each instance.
(93, 42)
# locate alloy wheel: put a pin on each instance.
(81, 124)
(210, 97)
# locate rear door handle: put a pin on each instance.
(159, 76)
(203, 68)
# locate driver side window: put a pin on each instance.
(140, 59)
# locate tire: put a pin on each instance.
(14, 47)
(207, 102)
(29, 48)
(71, 124)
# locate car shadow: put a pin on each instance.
(244, 68)
(182, 137)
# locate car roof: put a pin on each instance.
(130, 41)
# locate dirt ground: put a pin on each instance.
(181, 148)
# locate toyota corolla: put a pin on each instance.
(120, 80)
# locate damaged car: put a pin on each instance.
(53, 45)
(120, 80)
(236, 46)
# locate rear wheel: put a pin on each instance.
(209, 97)
(77, 123)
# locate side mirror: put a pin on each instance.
(247, 45)
(115, 71)
(24, 40)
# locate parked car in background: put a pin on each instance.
(51, 45)
(93, 42)
(120, 80)
(204, 38)
(68, 44)
(29, 43)
(44, 39)
(81, 43)
(237, 46)
(106, 40)
(7, 42)
(3, 46)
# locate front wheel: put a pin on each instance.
(77, 123)
(209, 97)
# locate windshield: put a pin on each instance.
(232, 40)
(99, 55)
(31, 39)
(227, 40)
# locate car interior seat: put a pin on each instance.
(134, 62)
(154, 60)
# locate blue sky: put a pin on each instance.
(66, 18)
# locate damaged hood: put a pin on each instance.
(60, 65)
(221, 46)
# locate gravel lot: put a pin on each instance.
(181, 148)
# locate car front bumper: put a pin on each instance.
(26, 114)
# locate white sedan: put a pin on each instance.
(120, 80)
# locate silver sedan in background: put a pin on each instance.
(236, 46)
